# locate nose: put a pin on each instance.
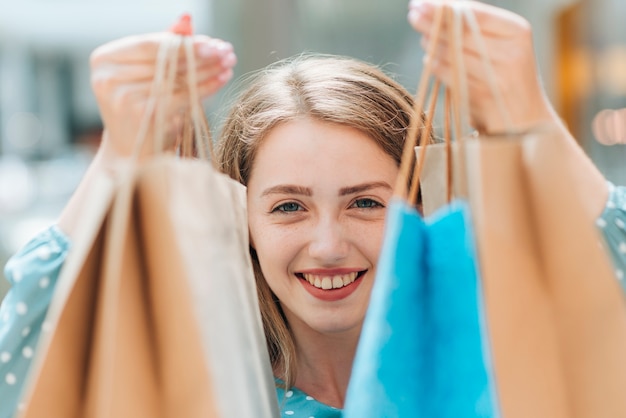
(328, 244)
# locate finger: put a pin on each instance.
(443, 51)
(144, 49)
(496, 50)
(137, 48)
(443, 70)
(493, 21)
(108, 76)
(211, 86)
(213, 76)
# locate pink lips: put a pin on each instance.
(331, 295)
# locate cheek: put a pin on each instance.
(373, 242)
(276, 246)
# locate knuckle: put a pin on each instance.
(122, 99)
(102, 82)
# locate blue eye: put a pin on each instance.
(366, 204)
(287, 207)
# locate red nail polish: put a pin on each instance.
(183, 26)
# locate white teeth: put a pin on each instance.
(330, 282)
(349, 278)
(337, 282)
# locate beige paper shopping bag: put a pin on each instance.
(155, 313)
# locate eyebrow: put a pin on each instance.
(360, 188)
(288, 189)
(305, 191)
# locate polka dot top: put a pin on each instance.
(612, 223)
(34, 270)
(32, 273)
(296, 404)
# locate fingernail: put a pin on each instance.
(225, 76)
(223, 49)
(215, 48)
(421, 6)
(229, 60)
(225, 46)
(206, 50)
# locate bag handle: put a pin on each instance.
(401, 188)
(196, 135)
(425, 131)
(453, 15)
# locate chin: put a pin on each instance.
(335, 326)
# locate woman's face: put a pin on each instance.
(317, 197)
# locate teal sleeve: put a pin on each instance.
(32, 273)
(612, 224)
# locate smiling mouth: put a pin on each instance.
(333, 282)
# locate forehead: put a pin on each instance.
(306, 151)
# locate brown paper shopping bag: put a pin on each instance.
(155, 313)
(520, 314)
(555, 312)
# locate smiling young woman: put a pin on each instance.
(317, 140)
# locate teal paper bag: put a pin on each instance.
(459, 376)
(423, 351)
(385, 355)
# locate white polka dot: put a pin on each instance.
(21, 407)
(46, 326)
(619, 223)
(622, 247)
(309, 398)
(289, 394)
(25, 332)
(10, 379)
(21, 308)
(5, 357)
(610, 204)
(17, 276)
(601, 223)
(43, 253)
(44, 282)
(289, 412)
(27, 352)
(619, 274)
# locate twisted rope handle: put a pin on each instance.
(401, 187)
(453, 15)
(196, 134)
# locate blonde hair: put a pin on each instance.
(332, 89)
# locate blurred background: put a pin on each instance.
(49, 122)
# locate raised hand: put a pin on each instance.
(508, 41)
(121, 76)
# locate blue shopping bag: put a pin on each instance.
(384, 355)
(423, 350)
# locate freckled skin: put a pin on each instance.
(306, 213)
